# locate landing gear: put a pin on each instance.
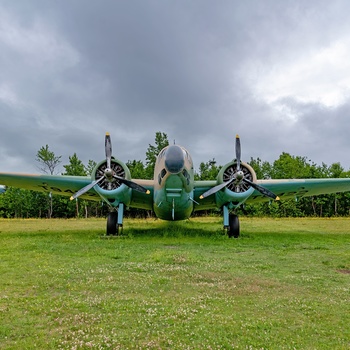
(115, 221)
(231, 223)
(233, 229)
(112, 220)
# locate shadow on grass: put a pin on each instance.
(177, 229)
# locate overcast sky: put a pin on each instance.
(275, 72)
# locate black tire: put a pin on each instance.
(112, 220)
(233, 230)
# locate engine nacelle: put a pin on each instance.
(110, 189)
(235, 193)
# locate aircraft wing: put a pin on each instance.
(297, 188)
(201, 187)
(56, 184)
(284, 189)
(68, 185)
(142, 200)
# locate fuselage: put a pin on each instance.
(173, 184)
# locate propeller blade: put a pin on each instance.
(216, 189)
(238, 152)
(262, 190)
(86, 188)
(108, 149)
(132, 185)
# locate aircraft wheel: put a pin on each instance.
(112, 220)
(233, 230)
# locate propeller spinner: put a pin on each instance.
(239, 178)
(109, 175)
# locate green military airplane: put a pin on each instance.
(173, 194)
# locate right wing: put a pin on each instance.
(69, 185)
(56, 184)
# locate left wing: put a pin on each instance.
(297, 188)
(283, 189)
(237, 183)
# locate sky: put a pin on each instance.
(275, 72)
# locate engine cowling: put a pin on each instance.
(235, 192)
(111, 179)
(229, 171)
(236, 182)
(110, 189)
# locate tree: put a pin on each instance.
(208, 170)
(75, 166)
(48, 160)
(291, 167)
(137, 169)
(336, 170)
(48, 163)
(161, 141)
(90, 167)
(262, 169)
(20, 203)
(12, 202)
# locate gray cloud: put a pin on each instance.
(199, 71)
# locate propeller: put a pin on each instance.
(108, 149)
(238, 152)
(109, 175)
(262, 190)
(86, 188)
(238, 178)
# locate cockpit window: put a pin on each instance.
(187, 156)
(161, 176)
(162, 152)
(187, 176)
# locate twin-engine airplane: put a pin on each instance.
(173, 194)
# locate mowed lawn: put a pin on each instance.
(284, 284)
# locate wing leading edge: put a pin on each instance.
(56, 184)
(297, 188)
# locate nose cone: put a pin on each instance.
(174, 159)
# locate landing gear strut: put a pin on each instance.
(231, 223)
(115, 221)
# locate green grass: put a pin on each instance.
(285, 284)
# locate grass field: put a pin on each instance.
(285, 284)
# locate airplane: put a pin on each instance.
(174, 194)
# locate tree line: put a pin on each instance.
(19, 203)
